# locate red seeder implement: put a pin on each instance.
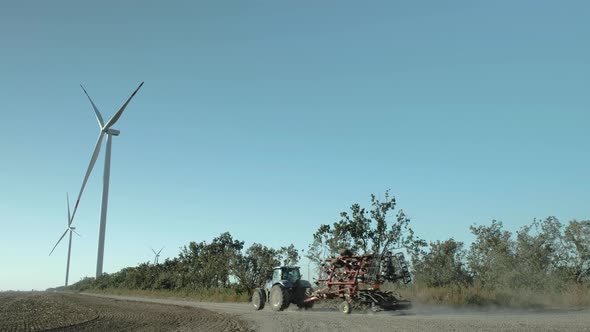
(356, 279)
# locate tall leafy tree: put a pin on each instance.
(192, 265)
(288, 255)
(315, 254)
(254, 268)
(443, 265)
(577, 238)
(491, 255)
(538, 254)
(222, 250)
(364, 231)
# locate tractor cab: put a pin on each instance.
(286, 273)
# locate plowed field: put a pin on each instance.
(69, 312)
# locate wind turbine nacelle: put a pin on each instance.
(113, 132)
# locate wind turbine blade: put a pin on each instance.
(153, 251)
(58, 241)
(160, 251)
(117, 115)
(69, 217)
(88, 171)
(76, 233)
(98, 116)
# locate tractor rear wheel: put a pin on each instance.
(258, 299)
(302, 295)
(279, 297)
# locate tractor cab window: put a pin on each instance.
(285, 273)
(292, 275)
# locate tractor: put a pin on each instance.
(286, 287)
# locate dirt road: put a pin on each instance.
(74, 312)
(433, 318)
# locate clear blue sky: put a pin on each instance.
(268, 118)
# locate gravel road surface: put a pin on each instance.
(421, 318)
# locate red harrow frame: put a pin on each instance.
(356, 279)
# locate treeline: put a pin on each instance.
(542, 262)
(545, 254)
(221, 264)
(543, 257)
(538, 262)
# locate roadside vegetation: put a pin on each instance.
(218, 271)
(544, 264)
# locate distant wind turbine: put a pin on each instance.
(110, 132)
(72, 230)
(157, 255)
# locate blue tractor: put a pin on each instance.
(286, 287)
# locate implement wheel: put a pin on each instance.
(258, 299)
(375, 307)
(345, 307)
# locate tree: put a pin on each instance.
(538, 255)
(577, 239)
(368, 231)
(222, 250)
(315, 254)
(255, 267)
(491, 256)
(288, 255)
(443, 265)
(191, 263)
(208, 265)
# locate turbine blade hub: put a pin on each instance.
(112, 131)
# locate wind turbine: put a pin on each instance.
(157, 255)
(71, 229)
(110, 132)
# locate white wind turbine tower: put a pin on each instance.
(71, 229)
(157, 255)
(110, 132)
